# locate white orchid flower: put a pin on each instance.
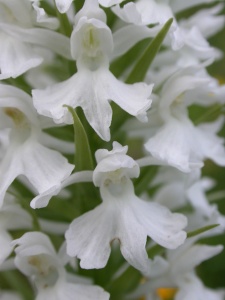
(26, 154)
(37, 259)
(122, 216)
(93, 86)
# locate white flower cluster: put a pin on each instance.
(66, 62)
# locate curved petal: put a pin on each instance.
(52, 40)
(133, 98)
(164, 227)
(43, 199)
(173, 144)
(89, 237)
(51, 168)
(127, 36)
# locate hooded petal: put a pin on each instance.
(35, 254)
(116, 161)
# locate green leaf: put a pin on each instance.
(83, 158)
(122, 63)
(201, 230)
(210, 114)
(125, 283)
(18, 282)
(155, 250)
(141, 67)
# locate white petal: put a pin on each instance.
(108, 3)
(133, 240)
(80, 90)
(15, 98)
(161, 225)
(198, 199)
(12, 216)
(127, 36)
(178, 5)
(50, 166)
(67, 291)
(177, 85)
(101, 44)
(33, 243)
(198, 43)
(57, 144)
(20, 11)
(114, 160)
(128, 13)
(133, 98)
(206, 20)
(89, 237)
(10, 168)
(100, 154)
(187, 259)
(42, 17)
(92, 91)
(49, 39)
(16, 57)
(173, 144)
(63, 5)
(85, 292)
(212, 146)
(128, 219)
(6, 247)
(171, 195)
(192, 288)
(43, 199)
